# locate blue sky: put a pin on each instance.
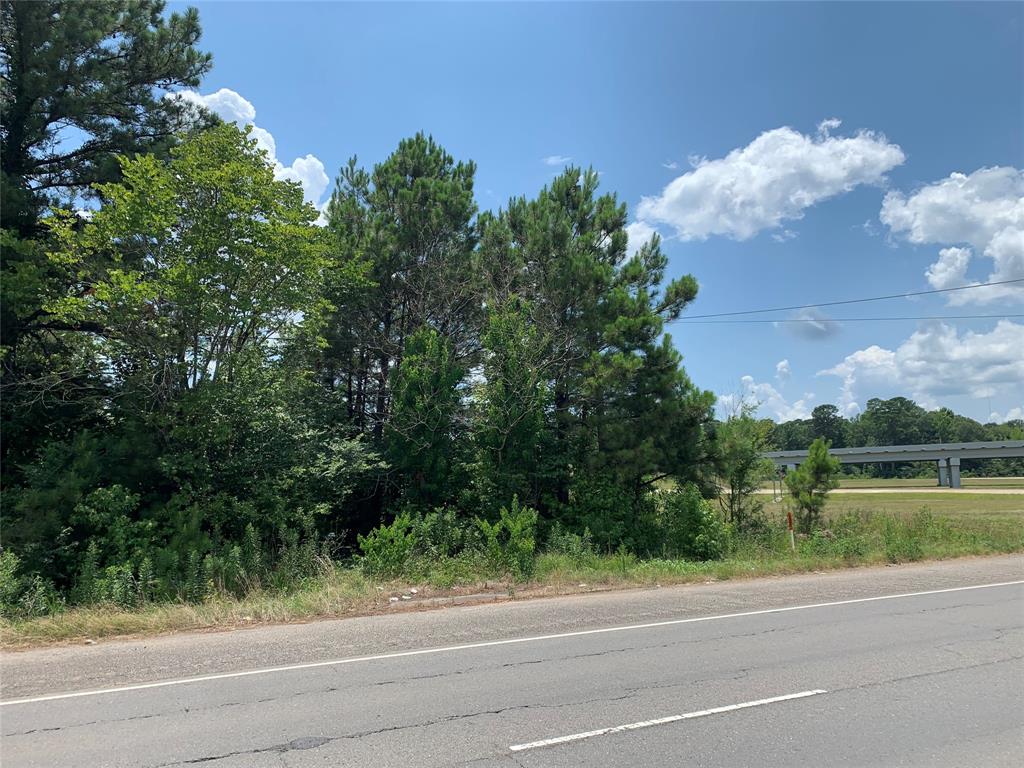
(724, 118)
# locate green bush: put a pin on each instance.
(692, 527)
(23, 596)
(511, 541)
(387, 548)
(39, 598)
(603, 507)
(579, 548)
(9, 581)
(441, 534)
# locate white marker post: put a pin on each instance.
(789, 522)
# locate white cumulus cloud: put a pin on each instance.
(555, 159)
(782, 370)
(936, 361)
(640, 233)
(231, 107)
(772, 180)
(766, 401)
(980, 213)
(1013, 414)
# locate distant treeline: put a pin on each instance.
(899, 421)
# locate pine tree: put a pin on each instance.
(810, 484)
(424, 439)
(621, 402)
(410, 222)
(510, 427)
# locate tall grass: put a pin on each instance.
(852, 538)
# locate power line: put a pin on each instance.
(852, 301)
(687, 321)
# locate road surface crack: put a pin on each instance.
(307, 743)
(54, 728)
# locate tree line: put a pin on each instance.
(203, 389)
(200, 384)
(898, 421)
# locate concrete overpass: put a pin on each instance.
(946, 455)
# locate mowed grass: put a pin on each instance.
(926, 482)
(862, 529)
(958, 504)
(930, 482)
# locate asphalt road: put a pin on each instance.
(829, 676)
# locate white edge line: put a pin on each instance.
(486, 644)
(661, 721)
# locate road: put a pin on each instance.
(910, 666)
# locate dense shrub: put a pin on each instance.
(25, 596)
(510, 542)
(579, 548)
(692, 527)
(387, 548)
(614, 516)
(442, 534)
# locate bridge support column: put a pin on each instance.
(943, 473)
(954, 472)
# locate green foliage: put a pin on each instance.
(82, 83)
(441, 534)
(25, 596)
(810, 483)
(613, 515)
(387, 548)
(511, 430)
(739, 443)
(622, 406)
(423, 435)
(903, 541)
(94, 67)
(828, 424)
(409, 222)
(579, 548)
(219, 256)
(510, 541)
(691, 527)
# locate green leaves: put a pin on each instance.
(810, 483)
(423, 435)
(208, 250)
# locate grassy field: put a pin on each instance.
(958, 504)
(928, 482)
(863, 530)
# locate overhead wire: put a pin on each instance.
(692, 318)
(825, 320)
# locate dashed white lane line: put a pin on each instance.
(487, 644)
(661, 721)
